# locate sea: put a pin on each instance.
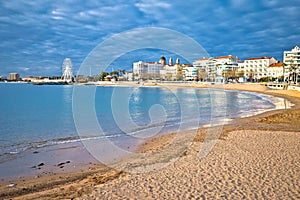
(33, 117)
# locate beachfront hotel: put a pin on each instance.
(146, 70)
(292, 62)
(292, 57)
(190, 73)
(164, 71)
(218, 68)
(257, 68)
(275, 71)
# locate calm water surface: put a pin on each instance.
(33, 117)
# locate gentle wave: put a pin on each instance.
(59, 111)
(18, 149)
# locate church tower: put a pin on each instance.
(170, 61)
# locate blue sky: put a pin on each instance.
(36, 35)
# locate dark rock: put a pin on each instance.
(60, 164)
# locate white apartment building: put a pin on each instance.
(291, 60)
(154, 70)
(256, 68)
(139, 69)
(241, 65)
(201, 63)
(146, 70)
(275, 70)
(170, 72)
(215, 67)
(292, 57)
(190, 73)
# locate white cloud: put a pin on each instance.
(57, 12)
(154, 7)
(57, 18)
(48, 30)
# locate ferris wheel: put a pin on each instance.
(67, 73)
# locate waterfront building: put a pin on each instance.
(216, 69)
(201, 64)
(256, 68)
(275, 71)
(292, 57)
(14, 77)
(81, 79)
(190, 73)
(146, 70)
(241, 70)
(29, 79)
(171, 72)
(154, 70)
(291, 60)
(128, 76)
(139, 69)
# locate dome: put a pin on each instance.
(162, 60)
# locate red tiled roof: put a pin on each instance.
(223, 57)
(263, 57)
(279, 64)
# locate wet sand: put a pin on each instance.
(255, 158)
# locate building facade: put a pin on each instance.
(190, 73)
(146, 70)
(291, 60)
(275, 71)
(216, 69)
(14, 77)
(292, 57)
(256, 68)
(171, 72)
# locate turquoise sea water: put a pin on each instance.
(32, 117)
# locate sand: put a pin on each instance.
(254, 158)
(247, 165)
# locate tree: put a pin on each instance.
(103, 75)
(123, 71)
(114, 73)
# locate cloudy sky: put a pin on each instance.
(36, 35)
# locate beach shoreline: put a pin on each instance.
(82, 182)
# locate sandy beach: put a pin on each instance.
(254, 158)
